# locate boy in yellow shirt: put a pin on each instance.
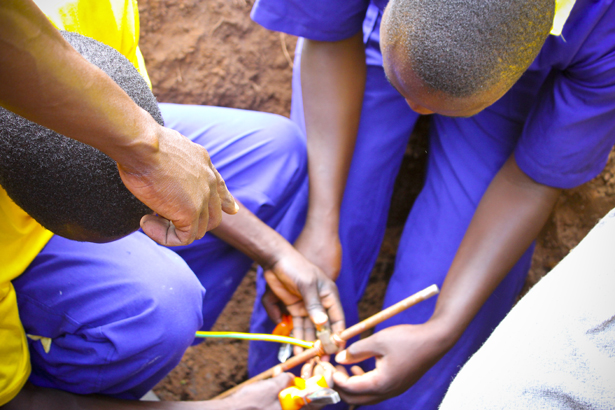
(114, 318)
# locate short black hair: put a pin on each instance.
(65, 184)
(464, 47)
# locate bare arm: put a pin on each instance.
(510, 215)
(46, 81)
(332, 82)
(262, 395)
(299, 284)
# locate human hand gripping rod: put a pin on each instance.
(344, 336)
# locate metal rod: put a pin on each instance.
(344, 336)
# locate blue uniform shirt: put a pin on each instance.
(566, 98)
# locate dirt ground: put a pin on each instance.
(210, 52)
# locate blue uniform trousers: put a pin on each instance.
(121, 314)
(463, 157)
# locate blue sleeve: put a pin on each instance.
(571, 129)
(322, 20)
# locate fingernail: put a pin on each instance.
(320, 318)
(337, 340)
(341, 356)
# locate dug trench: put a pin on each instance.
(210, 52)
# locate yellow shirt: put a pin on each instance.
(115, 23)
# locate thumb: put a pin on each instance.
(280, 382)
(359, 351)
(165, 233)
(314, 307)
(271, 304)
(229, 204)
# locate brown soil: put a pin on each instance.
(210, 52)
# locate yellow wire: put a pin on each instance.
(256, 336)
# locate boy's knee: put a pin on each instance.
(159, 325)
(171, 305)
(288, 152)
(286, 141)
(128, 331)
(290, 137)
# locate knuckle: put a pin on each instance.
(221, 183)
(310, 282)
(204, 153)
(379, 384)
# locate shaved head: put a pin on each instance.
(69, 187)
(464, 48)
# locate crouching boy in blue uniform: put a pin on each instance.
(523, 97)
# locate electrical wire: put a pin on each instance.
(256, 336)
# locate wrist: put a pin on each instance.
(278, 250)
(324, 223)
(268, 247)
(448, 328)
(237, 403)
(138, 151)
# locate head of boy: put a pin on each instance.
(457, 57)
(70, 188)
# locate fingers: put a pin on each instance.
(281, 381)
(330, 298)
(359, 351)
(355, 389)
(229, 204)
(263, 394)
(316, 367)
(308, 369)
(164, 231)
(361, 389)
(211, 215)
(342, 370)
(298, 332)
(356, 370)
(271, 304)
(309, 331)
(216, 201)
(327, 370)
(313, 305)
(287, 296)
(182, 185)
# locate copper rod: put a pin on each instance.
(346, 335)
(389, 312)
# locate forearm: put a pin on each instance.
(38, 398)
(245, 232)
(332, 81)
(48, 82)
(509, 217)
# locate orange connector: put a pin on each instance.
(285, 327)
(313, 390)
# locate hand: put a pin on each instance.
(306, 292)
(320, 366)
(322, 248)
(262, 395)
(317, 367)
(182, 187)
(403, 354)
